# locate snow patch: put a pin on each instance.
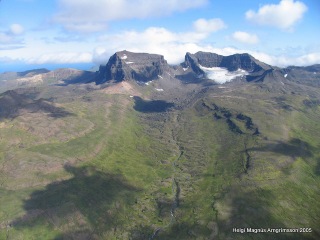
(148, 83)
(160, 76)
(131, 96)
(185, 69)
(286, 75)
(129, 62)
(222, 75)
(124, 57)
(314, 73)
(159, 89)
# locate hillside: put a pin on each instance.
(145, 150)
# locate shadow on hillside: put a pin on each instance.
(151, 106)
(294, 148)
(253, 210)
(33, 72)
(82, 207)
(12, 104)
(82, 78)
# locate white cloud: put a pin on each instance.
(175, 45)
(211, 25)
(153, 40)
(158, 40)
(87, 15)
(10, 36)
(283, 60)
(62, 57)
(303, 60)
(245, 37)
(16, 29)
(283, 16)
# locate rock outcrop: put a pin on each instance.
(232, 63)
(126, 65)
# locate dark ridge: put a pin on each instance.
(233, 127)
(311, 68)
(232, 62)
(33, 72)
(248, 120)
(311, 103)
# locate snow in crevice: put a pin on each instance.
(123, 57)
(159, 89)
(222, 75)
(286, 75)
(200, 76)
(148, 83)
(160, 76)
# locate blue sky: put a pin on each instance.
(83, 33)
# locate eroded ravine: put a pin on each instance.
(175, 182)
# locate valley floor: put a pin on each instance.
(78, 164)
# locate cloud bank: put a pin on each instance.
(283, 15)
(12, 35)
(92, 16)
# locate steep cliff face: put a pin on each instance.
(232, 63)
(199, 61)
(202, 58)
(126, 65)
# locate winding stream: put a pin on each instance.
(176, 194)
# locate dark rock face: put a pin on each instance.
(144, 67)
(33, 72)
(126, 65)
(309, 75)
(202, 58)
(232, 63)
(243, 61)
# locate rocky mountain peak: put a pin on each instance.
(125, 65)
(201, 62)
(233, 62)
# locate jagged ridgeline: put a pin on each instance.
(142, 149)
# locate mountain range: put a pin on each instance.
(217, 147)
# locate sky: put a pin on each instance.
(85, 33)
